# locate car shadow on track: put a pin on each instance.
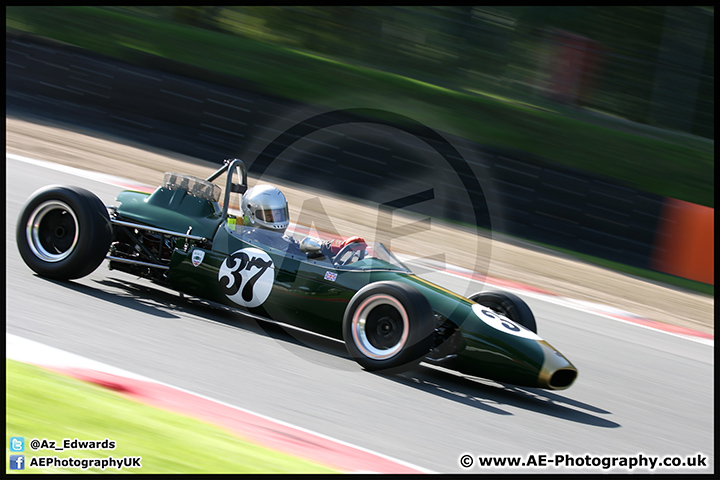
(481, 393)
(169, 300)
(475, 392)
(138, 298)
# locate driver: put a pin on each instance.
(265, 208)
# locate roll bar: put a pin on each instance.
(231, 165)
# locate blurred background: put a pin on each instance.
(620, 96)
(653, 65)
(623, 67)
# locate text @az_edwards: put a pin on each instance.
(18, 461)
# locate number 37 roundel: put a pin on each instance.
(247, 276)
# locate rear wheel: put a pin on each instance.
(63, 232)
(388, 326)
(507, 305)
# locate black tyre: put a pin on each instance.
(388, 326)
(63, 232)
(508, 305)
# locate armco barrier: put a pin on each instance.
(180, 108)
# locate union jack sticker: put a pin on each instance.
(330, 276)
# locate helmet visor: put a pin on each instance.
(272, 215)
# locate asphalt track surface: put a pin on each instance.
(639, 391)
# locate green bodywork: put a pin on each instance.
(173, 210)
(313, 295)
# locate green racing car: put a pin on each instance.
(183, 237)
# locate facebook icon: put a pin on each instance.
(17, 462)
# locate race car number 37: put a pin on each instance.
(246, 277)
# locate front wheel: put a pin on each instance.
(388, 326)
(507, 305)
(63, 233)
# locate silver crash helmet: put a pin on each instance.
(265, 206)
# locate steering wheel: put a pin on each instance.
(356, 249)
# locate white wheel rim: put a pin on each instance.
(37, 232)
(361, 327)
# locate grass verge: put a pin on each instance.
(44, 405)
